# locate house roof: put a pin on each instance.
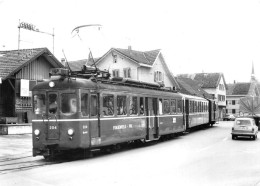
(142, 58)
(209, 80)
(12, 61)
(230, 88)
(191, 87)
(147, 57)
(78, 64)
(238, 89)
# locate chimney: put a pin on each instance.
(129, 47)
(234, 81)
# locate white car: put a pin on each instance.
(244, 127)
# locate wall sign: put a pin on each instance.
(25, 92)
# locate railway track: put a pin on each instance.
(22, 162)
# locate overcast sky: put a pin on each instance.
(194, 35)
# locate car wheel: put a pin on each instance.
(254, 137)
(233, 137)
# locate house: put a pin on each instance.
(20, 70)
(236, 91)
(148, 66)
(214, 84)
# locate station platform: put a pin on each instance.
(11, 129)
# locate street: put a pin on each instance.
(204, 157)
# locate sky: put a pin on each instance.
(194, 36)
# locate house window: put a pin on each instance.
(221, 97)
(158, 76)
(115, 58)
(233, 102)
(127, 72)
(115, 73)
(233, 111)
(221, 87)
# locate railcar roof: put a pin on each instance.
(75, 83)
(193, 97)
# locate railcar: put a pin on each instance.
(199, 111)
(80, 111)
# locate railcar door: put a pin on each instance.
(187, 112)
(94, 124)
(152, 118)
(51, 120)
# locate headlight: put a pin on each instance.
(70, 132)
(51, 84)
(37, 132)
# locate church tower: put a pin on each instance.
(253, 79)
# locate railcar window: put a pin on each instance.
(39, 104)
(68, 103)
(142, 106)
(166, 106)
(160, 107)
(133, 105)
(195, 106)
(53, 103)
(179, 106)
(93, 105)
(108, 105)
(84, 104)
(121, 105)
(191, 106)
(173, 106)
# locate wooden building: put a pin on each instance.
(20, 70)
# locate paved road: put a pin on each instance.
(205, 157)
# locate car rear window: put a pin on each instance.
(243, 122)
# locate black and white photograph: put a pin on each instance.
(129, 92)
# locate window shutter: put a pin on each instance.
(125, 74)
(129, 73)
